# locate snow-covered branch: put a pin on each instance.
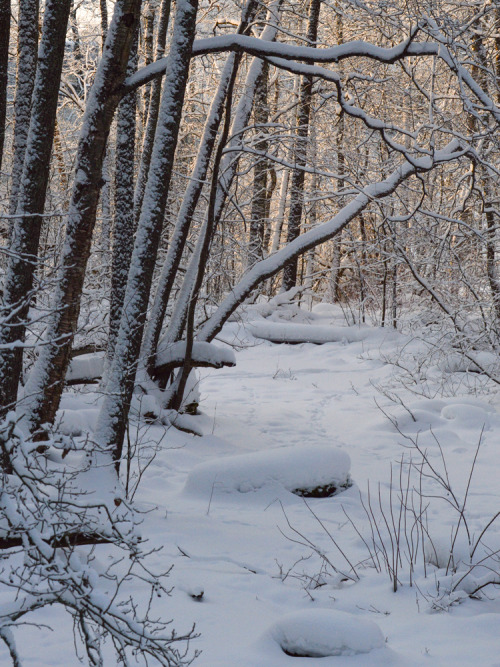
(271, 265)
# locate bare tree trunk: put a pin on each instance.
(259, 195)
(198, 177)
(154, 106)
(112, 419)
(186, 307)
(26, 230)
(297, 186)
(45, 383)
(489, 192)
(4, 68)
(27, 54)
(124, 223)
(103, 5)
(148, 44)
(275, 242)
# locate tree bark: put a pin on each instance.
(259, 195)
(46, 381)
(124, 222)
(152, 120)
(298, 174)
(27, 54)
(190, 199)
(112, 419)
(31, 200)
(4, 68)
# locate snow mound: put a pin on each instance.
(85, 367)
(284, 332)
(297, 469)
(317, 633)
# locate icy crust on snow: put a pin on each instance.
(289, 467)
(203, 353)
(318, 633)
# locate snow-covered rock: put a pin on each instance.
(317, 633)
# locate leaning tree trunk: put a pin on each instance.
(191, 198)
(4, 68)
(198, 263)
(111, 423)
(297, 186)
(186, 306)
(46, 381)
(26, 230)
(27, 52)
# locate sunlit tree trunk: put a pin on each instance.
(193, 191)
(154, 106)
(259, 194)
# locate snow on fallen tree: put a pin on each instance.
(203, 354)
(85, 368)
(285, 332)
(88, 368)
(305, 471)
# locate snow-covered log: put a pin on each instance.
(203, 354)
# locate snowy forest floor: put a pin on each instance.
(247, 552)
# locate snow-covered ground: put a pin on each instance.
(261, 570)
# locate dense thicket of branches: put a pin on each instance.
(162, 164)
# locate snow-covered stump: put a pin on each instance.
(318, 633)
